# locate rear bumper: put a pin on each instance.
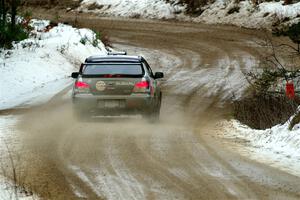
(135, 103)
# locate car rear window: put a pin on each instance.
(114, 69)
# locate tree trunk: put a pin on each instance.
(2, 13)
(14, 6)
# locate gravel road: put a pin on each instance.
(178, 158)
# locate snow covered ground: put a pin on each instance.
(38, 67)
(276, 146)
(154, 9)
(244, 13)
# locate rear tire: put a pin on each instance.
(152, 117)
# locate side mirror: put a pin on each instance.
(75, 74)
(158, 75)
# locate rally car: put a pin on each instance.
(115, 85)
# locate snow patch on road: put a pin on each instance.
(7, 191)
(276, 146)
(77, 191)
(8, 133)
(39, 67)
(85, 179)
(126, 184)
(7, 123)
(9, 142)
(226, 77)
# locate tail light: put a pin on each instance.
(81, 85)
(141, 87)
(142, 84)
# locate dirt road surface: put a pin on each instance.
(179, 158)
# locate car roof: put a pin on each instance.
(114, 58)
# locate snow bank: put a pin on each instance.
(276, 146)
(157, 9)
(39, 67)
(245, 14)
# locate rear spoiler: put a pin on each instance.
(117, 53)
